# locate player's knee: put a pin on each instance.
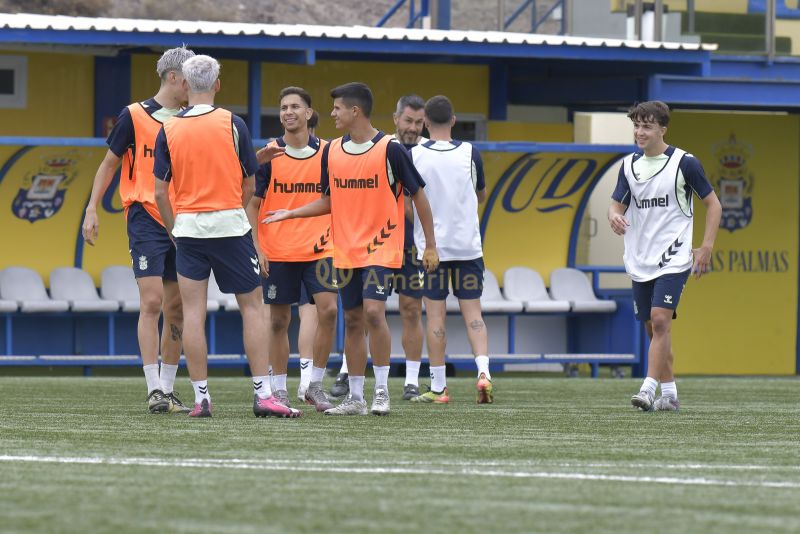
(150, 303)
(278, 322)
(374, 317)
(661, 323)
(411, 312)
(326, 314)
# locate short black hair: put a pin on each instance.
(439, 109)
(355, 94)
(651, 111)
(314, 120)
(412, 101)
(299, 91)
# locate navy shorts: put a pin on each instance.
(466, 277)
(410, 277)
(233, 260)
(355, 285)
(662, 292)
(152, 251)
(287, 279)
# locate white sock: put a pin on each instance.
(151, 376)
(649, 385)
(344, 365)
(305, 371)
(279, 382)
(412, 373)
(262, 387)
(381, 376)
(356, 387)
(317, 374)
(438, 378)
(269, 372)
(483, 366)
(669, 389)
(201, 391)
(167, 377)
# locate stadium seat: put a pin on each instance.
(492, 300)
(215, 294)
(76, 287)
(118, 284)
(572, 285)
(7, 306)
(525, 285)
(26, 287)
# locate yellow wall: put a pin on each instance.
(466, 85)
(742, 318)
(60, 97)
(714, 6)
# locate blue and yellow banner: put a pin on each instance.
(534, 201)
(43, 194)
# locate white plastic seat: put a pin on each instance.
(525, 285)
(215, 294)
(572, 285)
(76, 287)
(26, 287)
(492, 300)
(118, 284)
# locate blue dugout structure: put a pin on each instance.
(581, 74)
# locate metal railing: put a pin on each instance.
(414, 16)
(536, 21)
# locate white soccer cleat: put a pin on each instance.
(643, 400)
(666, 404)
(380, 404)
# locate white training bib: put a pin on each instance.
(659, 239)
(449, 186)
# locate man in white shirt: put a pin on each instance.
(652, 208)
(453, 172)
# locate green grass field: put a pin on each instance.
(551, 455)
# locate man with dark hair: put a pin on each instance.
(652, 208)
(296, 254)
(363, 175)
(453, 172)
(152, 251)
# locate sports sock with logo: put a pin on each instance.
(305, 371)
(438, 378)
(201, 391)
(262, 387)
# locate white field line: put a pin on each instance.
(304, 466)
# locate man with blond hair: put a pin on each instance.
(207, 154)
(152, 252)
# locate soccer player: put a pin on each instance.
(363, 175)
(652, 208)
(152, 252)
(298, 253)
(206, 153)
(408, 122)
(453, 172)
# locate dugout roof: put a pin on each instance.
(533, 69)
